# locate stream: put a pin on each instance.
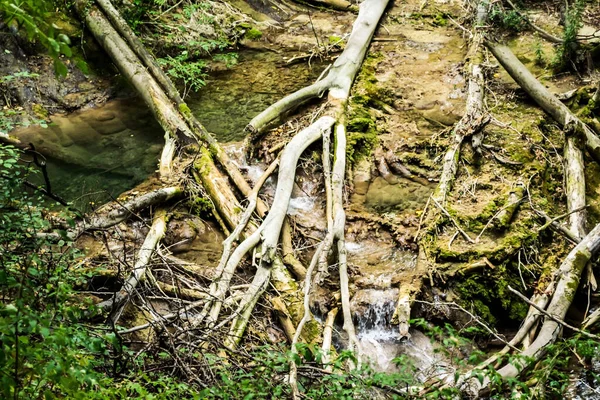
(416, 67)
(98, 153)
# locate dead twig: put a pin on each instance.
(447, 214)
(552, 317)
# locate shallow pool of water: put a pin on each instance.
(95, 154)
(233, 97)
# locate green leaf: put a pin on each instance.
(64, 39)
(83, 66)
(54, 45)
(65, 49)
(60, 68)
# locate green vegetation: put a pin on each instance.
(9, 117)
(362, 125)
(253, 34)
(52, 349)
(510, 20)
(46, 352)
(32, 16)
(540, 57)
(191, 73)
(188, 37)
(567, 54)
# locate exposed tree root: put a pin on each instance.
(569, 273)
(178, 124)
(470, 125)
(265, 238)
(267, 234)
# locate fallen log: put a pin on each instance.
(172, 94)
(117, 212)
(546, 100)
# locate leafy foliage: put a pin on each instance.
(508, 19)
(186, 35)
(45, 351)
(191, 73)
(567, 52)
(9, 116)
(32, 16)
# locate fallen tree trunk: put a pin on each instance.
(546, 100)
(172, 94)
(117, 212)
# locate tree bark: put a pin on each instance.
(543, 97)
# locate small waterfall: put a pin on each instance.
(381, 342)
(376, 336)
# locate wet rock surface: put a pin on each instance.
(98, 152)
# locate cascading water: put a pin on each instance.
(375, 334)
(380, 341)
